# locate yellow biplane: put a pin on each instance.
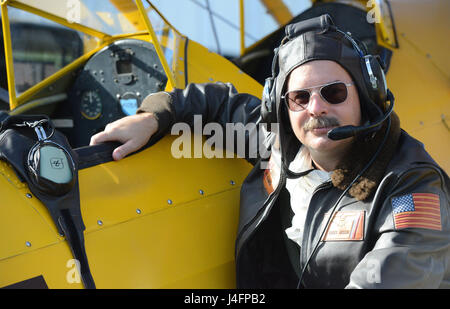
(152, 220)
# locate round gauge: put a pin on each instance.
(91, 105)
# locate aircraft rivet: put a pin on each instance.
(99, 222)
(232, 182)
(169, 202)
(138, 211)
(201, 192)
(28, 244)
(28, 195)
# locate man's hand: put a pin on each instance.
(132, 131)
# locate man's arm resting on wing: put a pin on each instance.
(216, 102)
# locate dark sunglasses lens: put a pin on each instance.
(298, 99)
(335, 93)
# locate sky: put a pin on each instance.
(191, 18)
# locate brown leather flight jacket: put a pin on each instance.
(389, 230)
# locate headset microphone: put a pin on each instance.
(350, 131)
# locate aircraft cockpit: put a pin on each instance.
(106, 66)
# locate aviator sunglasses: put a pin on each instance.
(333, 93)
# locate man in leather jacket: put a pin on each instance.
(369, 210)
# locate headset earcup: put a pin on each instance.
(374, 79)
(268, 102)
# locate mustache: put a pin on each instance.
(321, 122)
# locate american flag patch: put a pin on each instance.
(417, 210)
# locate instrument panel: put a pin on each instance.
(112, 85)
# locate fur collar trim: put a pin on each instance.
(359, 155)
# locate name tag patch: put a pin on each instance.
(345, 225)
